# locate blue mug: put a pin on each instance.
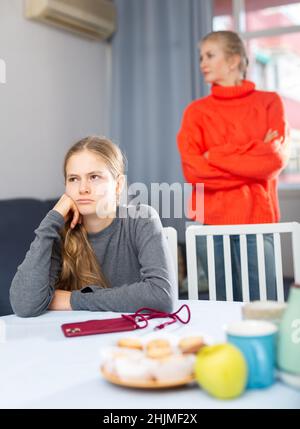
(257, 341)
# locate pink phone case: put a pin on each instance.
(91, 327)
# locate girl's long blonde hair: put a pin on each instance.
(79, 264)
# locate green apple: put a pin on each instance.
(221, 370)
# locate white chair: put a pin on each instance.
(242, 230)
(171, 236)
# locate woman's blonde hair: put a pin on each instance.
(232, 44)
(79, 264)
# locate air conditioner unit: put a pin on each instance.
(95, 19)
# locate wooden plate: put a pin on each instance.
(145, 384)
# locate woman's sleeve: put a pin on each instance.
(256, 159)
(196, 168)
(32, 287)
(157, 285)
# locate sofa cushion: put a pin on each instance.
(18, 219)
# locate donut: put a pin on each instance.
(173, 367)
(190, 344)
(130, 343)
(159, 348)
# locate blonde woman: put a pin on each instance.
(234, 141)
(86, 254)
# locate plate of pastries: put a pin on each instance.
(152, 362)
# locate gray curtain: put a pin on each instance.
(155, 74)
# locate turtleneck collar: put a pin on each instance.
(229, 92)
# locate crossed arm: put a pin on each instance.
(194, 158)
(234, 164)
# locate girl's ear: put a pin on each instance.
(234, 61)
(120, 183)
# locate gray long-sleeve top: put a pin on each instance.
(133, 254)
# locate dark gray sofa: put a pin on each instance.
(18, 219)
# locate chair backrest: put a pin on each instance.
(242, 230)
(171, 235)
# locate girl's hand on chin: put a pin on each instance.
(68, 209)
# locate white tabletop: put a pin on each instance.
(40, 368)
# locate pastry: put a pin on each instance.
(190, 344)
(158, 360)
(264, 310)
(174, 367)
(161, 343)
(157, 349)
(130, 343)
(128, 368)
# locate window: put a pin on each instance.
(223, 19)
(262, 15)
(271, 30)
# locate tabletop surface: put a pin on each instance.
(40, 368)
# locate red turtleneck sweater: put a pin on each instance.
(240, 170)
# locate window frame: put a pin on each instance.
(239, 26)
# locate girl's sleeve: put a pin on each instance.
(32, 287)
(196, 168)
(157, 285)
(257, 159)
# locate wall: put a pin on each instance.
(56, 92)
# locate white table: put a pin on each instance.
(40, 368)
